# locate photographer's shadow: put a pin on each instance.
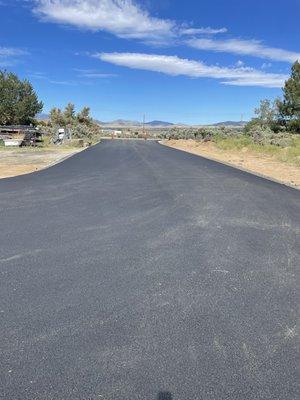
(164, 396)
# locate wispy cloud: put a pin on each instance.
(37, 75)
(205, 31)
(42, 76)
(11, 52)
(239, 63)
(10, 55)
(129, 20)
(174, 66)
(123, 18)
(91, 74)
(244, 47)
(63, 83)
(84, 77)
(266, 65)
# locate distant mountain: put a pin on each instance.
(128, 123)
(42, 117)
(123, 122)
(152, 124)
(230, 123)
(159, 123)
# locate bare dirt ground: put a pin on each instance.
(257, 163)
(21, 161)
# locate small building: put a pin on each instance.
(20, 135)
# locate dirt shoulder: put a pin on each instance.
(20, 161)
(244, 159)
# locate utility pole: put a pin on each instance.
(144, 133)
(144, 124)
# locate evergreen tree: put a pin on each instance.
(57, 118)
(290, 106)
(291, 91)
(19, 103)
(69, 114)
(84, 116)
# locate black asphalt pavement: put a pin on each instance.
(136, 271)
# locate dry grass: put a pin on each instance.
(21, 161)
(290, 154)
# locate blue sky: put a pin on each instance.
(197, 61)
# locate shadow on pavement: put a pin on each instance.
(164, 396)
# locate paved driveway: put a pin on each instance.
(133, 269)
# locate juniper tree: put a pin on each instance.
(84, 116)
(290, 106)
(19, 103)
(69, 114)
(57, 118)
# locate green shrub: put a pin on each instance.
(264, 135)
(232, 143)
(283, 147)
(294, 125)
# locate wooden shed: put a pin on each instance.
(19, 135)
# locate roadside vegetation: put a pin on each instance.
(19, 105)
(80, 126)
(285, 153)
(275, 131)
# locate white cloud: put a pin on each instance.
(244, 47)
(172, 65)
(63, 83)
(205, 31)
(91, 73)
(9, 56)
(123, 18)
(266, 65)
(128, 19)
(6, 52)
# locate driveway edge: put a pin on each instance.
(234, 166)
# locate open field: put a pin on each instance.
(271, 161)
(19, 161)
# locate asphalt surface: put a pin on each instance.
(136, 271)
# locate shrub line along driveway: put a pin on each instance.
(132, 269)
